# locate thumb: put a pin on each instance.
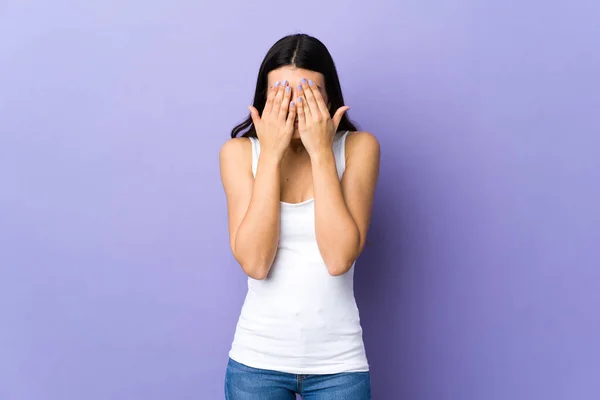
(254, 115)
(337, 117)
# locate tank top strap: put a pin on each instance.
(339, 151)
(255, 154)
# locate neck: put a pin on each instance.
(296, 146)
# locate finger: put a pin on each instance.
(277, 100)
(291, 117)
(302, 95)
(283, 108)
(301, 110)
(311, 103)
(337, 118)
(271, 98)
(254, 115)
(318, 98)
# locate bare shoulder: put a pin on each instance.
(235, 158)
(361, 144)
(237, 148)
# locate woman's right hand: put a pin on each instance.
(276, 125)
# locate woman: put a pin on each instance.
(299, 183)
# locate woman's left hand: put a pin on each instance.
(315, 124)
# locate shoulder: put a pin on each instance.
(236, 149)
(235, 157)
(361, 144)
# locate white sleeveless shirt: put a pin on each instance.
(300, 319)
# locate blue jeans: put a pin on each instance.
(247, 383)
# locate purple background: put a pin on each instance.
(481, 279)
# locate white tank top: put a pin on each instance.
(300, 319)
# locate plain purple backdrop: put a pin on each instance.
(481, 279)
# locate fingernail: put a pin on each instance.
(276, 83)
(299, 99)
(299, 87)
(292, 104)
(287, 89)
(311, 83)
(284, 83)
(303, 81)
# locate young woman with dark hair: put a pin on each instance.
(299, 180)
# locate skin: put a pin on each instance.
(297, 163)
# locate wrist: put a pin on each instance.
(322, 156)
(270, 158)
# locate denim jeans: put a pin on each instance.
(247, 383)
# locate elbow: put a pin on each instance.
(256, 270)
(255, 266)
(341, 262)
(258, 274)
(339, 268)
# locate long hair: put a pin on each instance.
(301, 51)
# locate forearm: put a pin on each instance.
(338, 237)
(258, 234)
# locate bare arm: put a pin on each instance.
(253, 206)
(253, 203)
(343, 209)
